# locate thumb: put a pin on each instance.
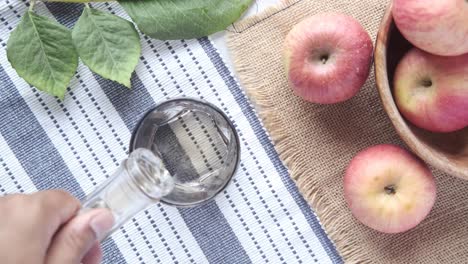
(77, 237)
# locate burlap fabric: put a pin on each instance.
(316, 142)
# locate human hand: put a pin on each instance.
(44, 228)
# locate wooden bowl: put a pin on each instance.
(447, 152)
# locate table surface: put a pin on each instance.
(219, 39)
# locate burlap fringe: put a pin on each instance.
(334, 226)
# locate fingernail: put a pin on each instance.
(102, 223)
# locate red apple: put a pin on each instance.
(389, 189)
(436, 26)
(327, 58)
(432, 91)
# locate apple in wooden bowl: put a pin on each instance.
(445, 150)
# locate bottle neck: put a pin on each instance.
(140, 181)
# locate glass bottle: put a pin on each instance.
(140, 181)
(183, 153)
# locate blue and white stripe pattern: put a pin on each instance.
(77, 143)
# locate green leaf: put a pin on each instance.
(42, 53)
(107, 44)
(183, 19)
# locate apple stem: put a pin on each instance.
(324, 58)
(427, 83)
(390, 189)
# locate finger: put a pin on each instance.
(57, 206)
(94, 255)
(76, 238)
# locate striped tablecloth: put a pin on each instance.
(75, 144)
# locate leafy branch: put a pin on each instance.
(45, 53)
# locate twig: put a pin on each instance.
(32, 3)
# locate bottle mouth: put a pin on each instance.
(149, 174)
